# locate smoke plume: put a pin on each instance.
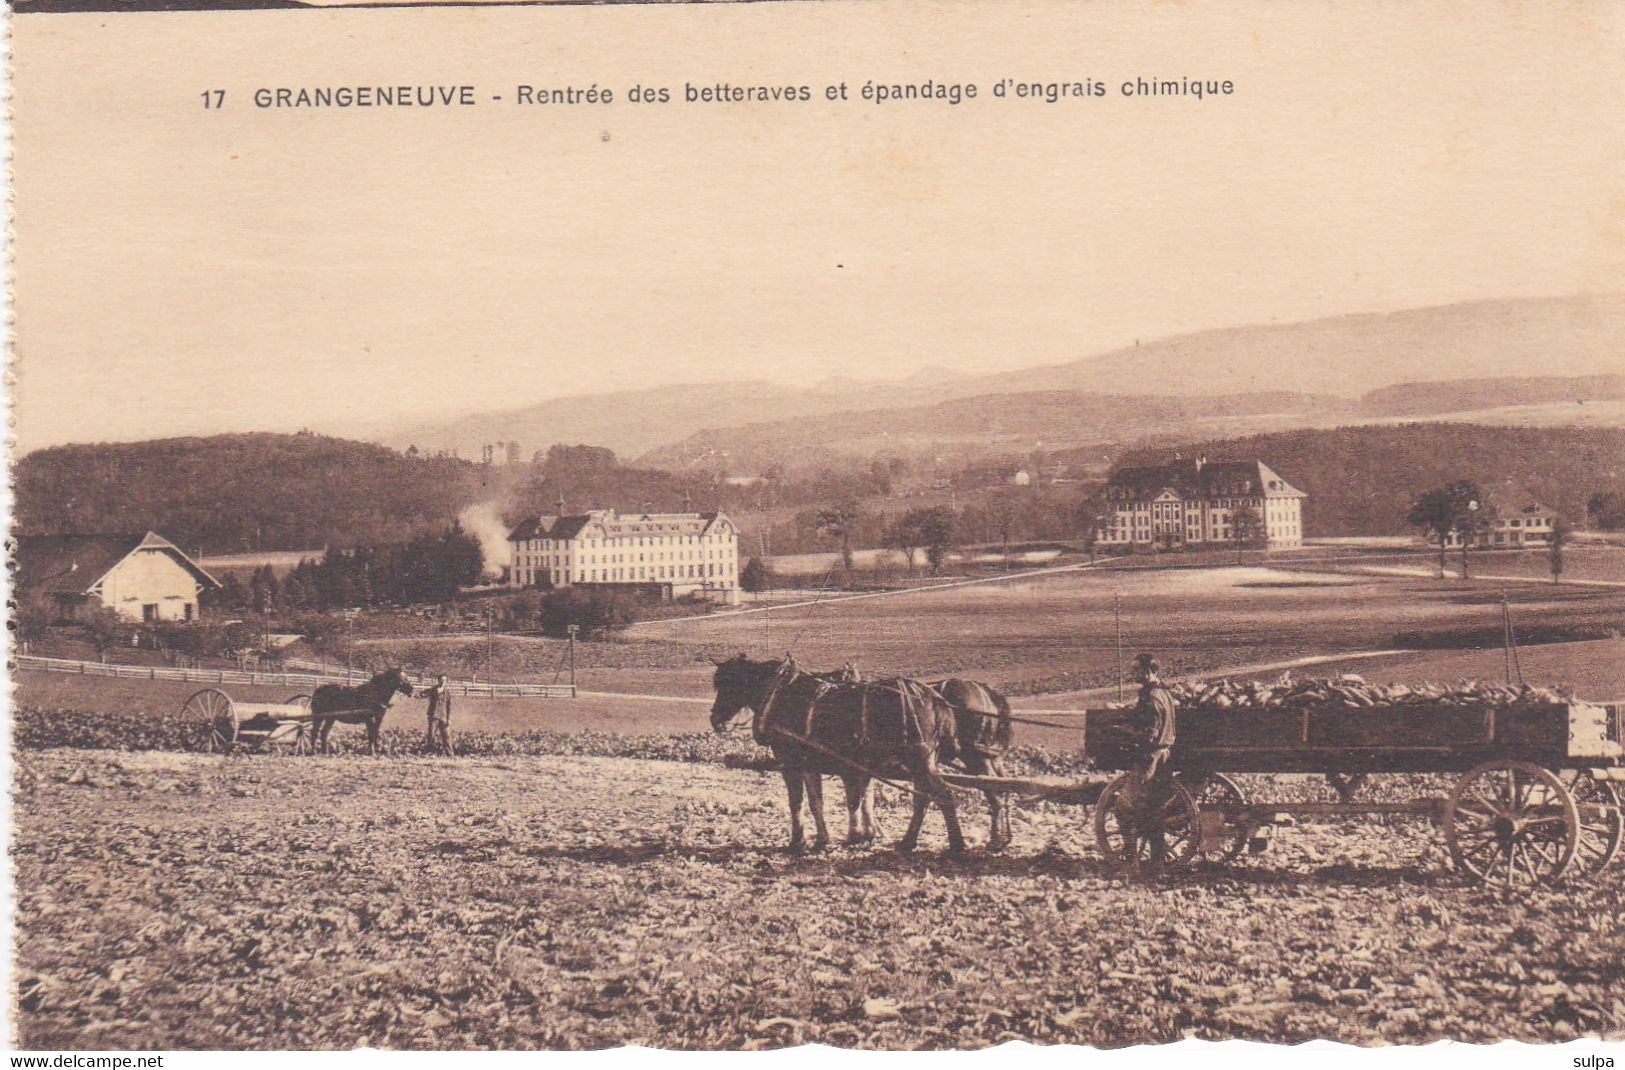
(483, 520)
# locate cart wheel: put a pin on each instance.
(301, 739)
(1116, 828)
(1602, 822)
(297, 700)
(212, 708)
(1512, 823)
(1218, 792)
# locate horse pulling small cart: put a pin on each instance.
(302, 723)
(228, 724)
(1535, 795)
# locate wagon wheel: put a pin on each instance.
(297, 700)
(1116, 827)
(1602, 822)
(212, 708)
(1218, 792)
(1512, 823)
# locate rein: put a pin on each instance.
(1007, 717)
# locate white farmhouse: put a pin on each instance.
(142, 577)
(1516, 518)
(675, 553)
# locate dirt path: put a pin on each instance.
(183, 901)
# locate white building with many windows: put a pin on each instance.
(676, 553)
(1195, 504)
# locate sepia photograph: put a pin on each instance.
(870, 523)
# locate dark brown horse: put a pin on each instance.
(983, 732)
(365, 704)
(889, 728)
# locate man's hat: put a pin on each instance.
(1146, 661)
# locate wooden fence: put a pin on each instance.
(296, 681)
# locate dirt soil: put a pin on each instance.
(173, 900)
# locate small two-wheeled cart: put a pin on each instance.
(227, 724)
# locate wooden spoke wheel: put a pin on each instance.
(1602, 822)
(1512, 824)
(298, 700)
(1217, 792)
(212, 708)
(1126, 838)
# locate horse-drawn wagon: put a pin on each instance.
(301, 723)
(228, 723)
(1533, 780)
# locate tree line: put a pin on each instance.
(429, 568)
(238, 493)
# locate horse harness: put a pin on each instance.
(763, 731)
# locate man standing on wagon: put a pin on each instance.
(1146, 791)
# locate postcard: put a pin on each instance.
(871, 523)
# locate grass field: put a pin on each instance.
(1580, 563)
(183, 901)
(1595, 670)
(1057, 633)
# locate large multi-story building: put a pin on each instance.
(676, 553)
(1192, 503)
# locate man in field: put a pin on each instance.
(439, 739)
(1147, 788)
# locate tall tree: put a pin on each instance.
(757, 575)
(107, 629)
(904, 534)
(836, 524)
(1455, 509)
(1554, 551)
(1607, 510)
(1094, 515)
(937, 528)
(1246, 529)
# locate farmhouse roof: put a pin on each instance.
(1510, 499)
(73, 564)
(1197, 478)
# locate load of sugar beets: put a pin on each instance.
(1354, 693)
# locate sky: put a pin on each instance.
(184, 271)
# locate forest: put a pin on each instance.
(1363, 480)
(237, 493)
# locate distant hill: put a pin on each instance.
(1362, 480)
(1351, 355)
(232, 493)
(1468, 395)
(1341, 356)
(630, 422)
(977, 426)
